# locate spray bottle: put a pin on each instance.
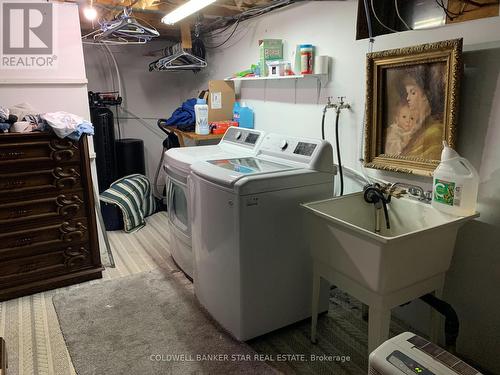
(455, 184)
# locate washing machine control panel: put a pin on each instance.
(245, 137)
(309, 152)
(291, 148)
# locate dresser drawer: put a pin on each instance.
(46, 179)
(42, 149)
(24, 242)
(23, 270)
(64, 206)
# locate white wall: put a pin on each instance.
(149, 95)
(473, 278)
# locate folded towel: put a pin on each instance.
(133, 195)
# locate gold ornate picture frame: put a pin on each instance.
(411, 106)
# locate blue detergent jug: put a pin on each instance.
(246, 117)
(236, 112)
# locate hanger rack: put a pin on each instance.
(176, 59)
(124, 29)
(179, 57)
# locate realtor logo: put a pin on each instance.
(27, 35)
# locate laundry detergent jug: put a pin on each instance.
(455, 184)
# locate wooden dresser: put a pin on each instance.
(48, 230)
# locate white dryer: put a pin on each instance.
(236, 142)
(253, 269)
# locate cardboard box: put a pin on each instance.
(221, 99)
(269, 50)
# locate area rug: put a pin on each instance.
(147, 323)
(342, 341)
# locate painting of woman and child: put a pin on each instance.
(411, 106)
(413, 110)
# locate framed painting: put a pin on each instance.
(411, 106)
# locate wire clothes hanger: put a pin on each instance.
(125, 29)
(176, 58)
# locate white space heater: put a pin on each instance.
(410, 354)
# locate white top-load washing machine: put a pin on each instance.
(236, 142)
(253, 269)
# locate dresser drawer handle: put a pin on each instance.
(25, 241)
(72, 257)
(63, 179)
(71, 233)
(62, 149)
(68, 206)
(62, 155)
(13, 184)
(19, 213)
(12, 155)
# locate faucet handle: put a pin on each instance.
(395, 191)
(428, 195)
(414, 191)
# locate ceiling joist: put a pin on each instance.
(152, 11)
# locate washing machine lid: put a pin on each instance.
(228, 171)
(235, 143)
(181, 158)
(249, 165)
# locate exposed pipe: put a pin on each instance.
(451, 325)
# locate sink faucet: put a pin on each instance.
(414, 191)
(374, 194)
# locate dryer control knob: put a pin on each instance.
(284, 144)
(238, 135)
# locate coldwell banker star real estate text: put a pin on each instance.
(27, 35)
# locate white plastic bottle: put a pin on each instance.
(455, 184)
(201, 117)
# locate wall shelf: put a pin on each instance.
(321, 77)
(321, 81)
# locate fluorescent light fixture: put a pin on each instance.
(90, 13)
(428, 23)
(192, 6)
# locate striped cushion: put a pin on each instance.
(133, 195)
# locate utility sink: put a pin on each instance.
(418, 245)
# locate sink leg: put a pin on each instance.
(315, 306)
(378, 326)
(436, 319)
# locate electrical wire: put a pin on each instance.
(451, 15)
(227, 39)
(399, 15)
(156, 191)
(371, 42)
(117, 70)
(139, 119)
(379, 21)
(214, 30)
(118, 122)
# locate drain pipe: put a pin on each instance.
(451, 325)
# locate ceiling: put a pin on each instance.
(152, 11)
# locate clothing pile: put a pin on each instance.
(23, 118)
(183, 117)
